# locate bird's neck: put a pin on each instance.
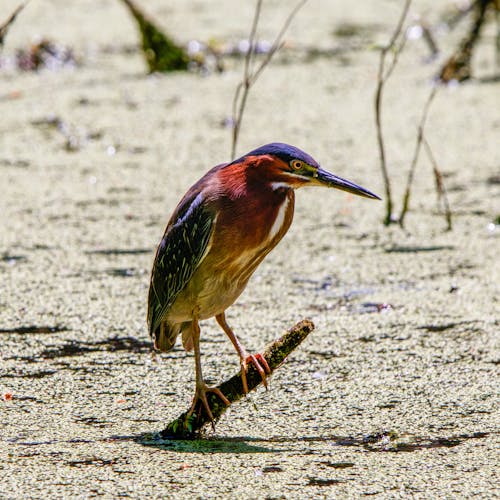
(257, 212)
(252, 181)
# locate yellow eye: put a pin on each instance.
(296, 164)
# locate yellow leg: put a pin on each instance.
(202, 388)
(262, 367)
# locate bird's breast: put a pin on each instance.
(245, 231)
(257, 223)
(255, 229)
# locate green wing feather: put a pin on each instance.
(179, 254)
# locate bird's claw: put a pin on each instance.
(260, 364)
(201, 395)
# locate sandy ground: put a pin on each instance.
(388, 401)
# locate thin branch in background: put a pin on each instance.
(251, 75)
(458, 66)
(440, 188)
(418, 144)
(411, 173)
(497, 38)
(251, 41)
(240, 102)
(382, 77)
(278, 43)
(461, 10)
(429, 40)
(4, 28)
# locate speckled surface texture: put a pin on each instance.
(383, 401)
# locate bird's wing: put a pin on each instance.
(180, 252)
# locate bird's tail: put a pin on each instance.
(165, 336)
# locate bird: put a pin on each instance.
(221, 230)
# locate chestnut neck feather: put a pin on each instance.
(252, 204)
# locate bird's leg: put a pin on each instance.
(202, 388)
(256, 359)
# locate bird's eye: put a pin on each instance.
(296, 164)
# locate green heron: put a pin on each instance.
(219, 233)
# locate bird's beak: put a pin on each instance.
(327, 179)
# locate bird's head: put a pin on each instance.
(283, 165)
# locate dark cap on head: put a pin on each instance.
(284, 152)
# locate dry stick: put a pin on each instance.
(249, 76)
(277, 44)
(429, 40)
(457, 67)
(411, 173)
(497, 38)
(460, 13)
(6, 25)
(440, 189)
(382, 78)
(274, 354)
(245, 83)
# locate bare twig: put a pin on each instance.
(418, 144)
(274, 354)
(429, 40)
(458, 67)
(383, 75)
(277, 44)
(461, 11)
(497, 38)
(6, 25)
(440, 188)
(251, 75)
(240, 102)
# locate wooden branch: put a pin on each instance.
(245, 84)
(382, 77)
(440, 188)
(413, 166)
(275, 353)
(458, 66)
(250, 74)
(6, 25)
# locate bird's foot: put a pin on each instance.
(261, 366)
(201, 396)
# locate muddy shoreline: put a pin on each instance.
(394, 394)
